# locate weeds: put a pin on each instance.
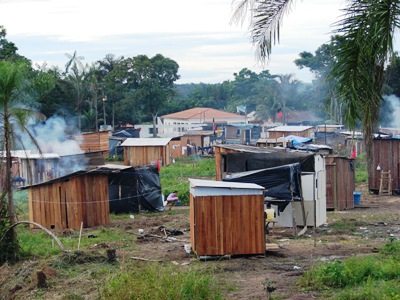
(154, 281)
(366, 277)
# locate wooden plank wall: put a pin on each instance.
(66, 204)
(340, 183)
(94, 141)
(222, 225)
(278, 134)
(146, 155)
(387, 155)
(219, 162)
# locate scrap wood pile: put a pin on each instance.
(168, 235)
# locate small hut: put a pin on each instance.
(279, 131)
(340, 182)
(66, 202)
(385, 167)
(94, 141)
(146, 151)
(226, 218)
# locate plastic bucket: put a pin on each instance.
(357, 198)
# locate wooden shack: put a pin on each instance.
(340, 182)
(387, 157)
(226, 218)
(146, 151)
(94, 141)
(67, 201)
(38, 168)
(280, 131)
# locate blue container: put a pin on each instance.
(357, 198)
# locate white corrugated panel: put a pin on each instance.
(199, 187)
(146, 142)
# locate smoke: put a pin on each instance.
(394, 111)
(52, 137)
(55, 136)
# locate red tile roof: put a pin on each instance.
(204, 114)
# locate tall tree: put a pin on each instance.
(368, 29)
(77, 76)
(149, 80)
(8, 50)
(13, 118)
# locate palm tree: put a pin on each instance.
(12, 119)
(77, 75)
(367, 29)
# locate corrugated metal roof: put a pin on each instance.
(224, 184)
(290, 128)
(30, 155)
(137, 142)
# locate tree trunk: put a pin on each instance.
(95, 108)
(154, 124)
(8, 183)
(113, 114)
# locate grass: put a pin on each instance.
(359, 277)
(175, 176)
(155, 281)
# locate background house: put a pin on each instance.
(199, 116)
(282, 131)
(146, 151)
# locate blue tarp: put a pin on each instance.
(296, 140)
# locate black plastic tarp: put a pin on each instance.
(133, 190)
(242, 162)
(281, 182)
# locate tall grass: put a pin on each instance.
(155, 281)
(175, 176)
(359, 277)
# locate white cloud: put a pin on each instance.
(195, 33)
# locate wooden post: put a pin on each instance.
(80, 236)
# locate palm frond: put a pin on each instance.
(266, 20)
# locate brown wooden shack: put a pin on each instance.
(226, 218)
(280, 131)
(340, 182)
(146, 151)
(387, 157)
(67, 201)
(94, 141)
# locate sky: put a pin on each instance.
(197, 34)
